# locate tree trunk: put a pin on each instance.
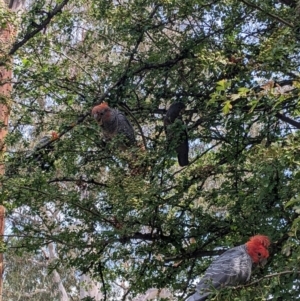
(7, 35)
(90, 288)
(56, 277)
(5, 89)
(154, 293)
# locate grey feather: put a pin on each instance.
(118, 125)
(232, 268)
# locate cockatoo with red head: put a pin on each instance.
(114, 123)
(233, 267)
(42, 150)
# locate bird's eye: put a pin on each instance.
(259, 254)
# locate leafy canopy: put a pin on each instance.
(234, 64)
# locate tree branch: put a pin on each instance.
(268, 13)
(39, 27)
(270, 276)
(288, 120)
(80, 180)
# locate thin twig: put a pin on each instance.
(138, 125)
(288, 120)
(270, 276)
(267, 13)
(39, 27)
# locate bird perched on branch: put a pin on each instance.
(41, 155)
(176, 132)
(233, 267)
(45, 140)
(42, 149)
(114, 123)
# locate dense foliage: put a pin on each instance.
(234, 64)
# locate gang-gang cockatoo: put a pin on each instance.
(114, 123)
(233, 267)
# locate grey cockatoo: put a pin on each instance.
(114, 123)
(233, 267)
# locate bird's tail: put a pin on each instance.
(183, 153)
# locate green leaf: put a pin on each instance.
(227, 107)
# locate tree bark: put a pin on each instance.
(154, 293)
(56, 277)
(7, 36)
(5, 90)
(90, 288)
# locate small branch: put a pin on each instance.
(75, 63)
(270, 276)
(138, 125)
(267, 13)
(39, 28)
(103, 281)
(194, 254)
(64, 179)
(197, 158)
(67, 129)
(288, 120)
(35, 292)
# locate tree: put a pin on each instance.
(234, 64)
(7, 35)
(28, 277)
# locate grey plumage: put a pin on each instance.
(43, 142)
(42, 152)
(113, 123)
(232, 268)
(118, 125)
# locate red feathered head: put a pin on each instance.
(257, 248)
(101, 112)
(54, 136)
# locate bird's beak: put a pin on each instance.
(99, 120)
(263, 262)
